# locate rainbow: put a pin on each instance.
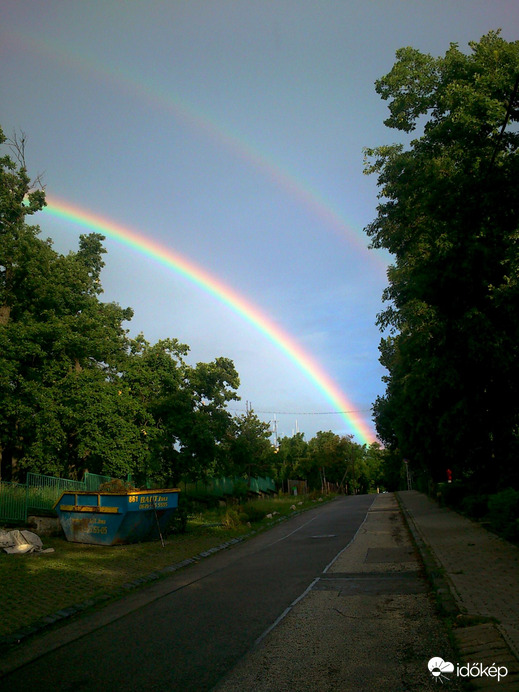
(217, 132)
(236, 302)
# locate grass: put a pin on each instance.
(38, 585)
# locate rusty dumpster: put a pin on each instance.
(106, 518)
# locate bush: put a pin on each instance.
(178, 523)
(452, 494)
(475, 506)
(503, 513)
(231, 519)
(253, 513)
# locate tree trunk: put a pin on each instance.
(5, 314)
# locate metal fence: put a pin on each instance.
(44, 491)
(13, 501)
(40, 493)
(92, 481)
(221, 487)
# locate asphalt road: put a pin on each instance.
(188, 631)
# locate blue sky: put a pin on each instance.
(232, 133)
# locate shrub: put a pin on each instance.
(503, 513)
(451, 494)
(253, 513)
(178, 523)
(240, 489)
(231, 519)
(475, 506)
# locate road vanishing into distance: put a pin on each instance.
(187, 631)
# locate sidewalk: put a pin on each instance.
(481, 572)
(367, 623)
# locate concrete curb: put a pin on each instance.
(433, 570)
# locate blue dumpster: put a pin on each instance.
(113, 518)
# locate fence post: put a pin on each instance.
(26, 503)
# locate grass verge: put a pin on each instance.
(37, 586)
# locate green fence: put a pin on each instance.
(221, 487)
(13, 501)
(92, 481)
(40, 493)
(44, 491)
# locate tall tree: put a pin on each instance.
(290, 456)
(249, 450)
(75, 391)
(449, 214)
(59, 345)
(182, 409)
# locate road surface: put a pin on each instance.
(187, 631)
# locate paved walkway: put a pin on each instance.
(481, 571)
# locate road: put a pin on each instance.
(186, 632)
(367, 624)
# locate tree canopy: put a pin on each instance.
(76, 391)
(448, 213)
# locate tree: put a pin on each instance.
(204, 435)
(250, 452)
(372, 471)
(61, 349)
(449, 215)
(75, 391)
(333, 458)
(182, 410)
(19, 197)
(292, 452)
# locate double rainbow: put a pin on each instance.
(143, 244)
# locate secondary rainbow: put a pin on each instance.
(239, 304)
(216, 131)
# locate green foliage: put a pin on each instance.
(499, 511)
(79, 394)
(475, 506)
(332, 458)
(253, 513)
(290, 457)
(240, 489)
(248, 449)
(452, 494)
(503, 513)
(231, 519)
(76, 391)
(448, 214)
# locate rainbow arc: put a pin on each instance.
(235, 301)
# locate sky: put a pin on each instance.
(218, 145)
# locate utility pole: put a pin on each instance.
(275, 432)
(408, 475)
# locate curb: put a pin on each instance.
(433, 569)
